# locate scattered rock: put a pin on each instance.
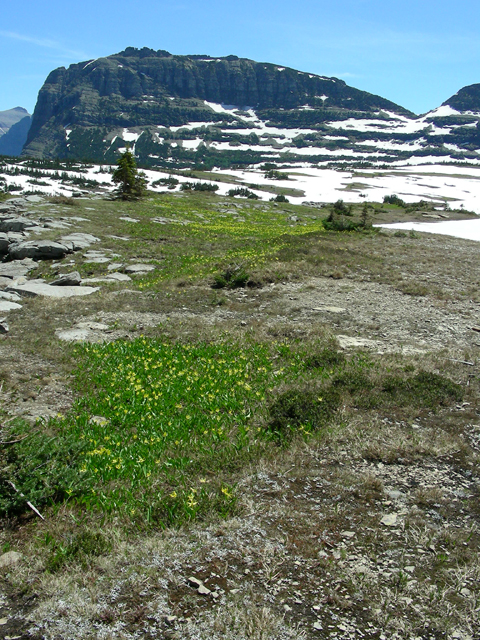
(3, 326)
(194, 582)
(100, 420)
(330, 309)
(34, 288)
(203, 590)
(9, 559)
(389, 519)
(128, 219)
(67, 280)
(140, 268)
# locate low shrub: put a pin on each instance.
(242, 192)
(232, 277)
(198, 186)
(302, 409)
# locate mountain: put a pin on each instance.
(11, 144)
(178, 111)
(10, 117)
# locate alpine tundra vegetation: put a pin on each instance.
(233, 405)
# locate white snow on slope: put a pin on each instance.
(466, 229)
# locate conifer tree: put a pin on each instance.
(131, 183)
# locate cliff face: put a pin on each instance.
(142, 88)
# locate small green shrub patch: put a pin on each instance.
(232, 277)
(302, 410)
(198, 186)
(243, 193)
(78, 546)
(326, 357)
(424, 389)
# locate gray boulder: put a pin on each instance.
(38, 250)
(67, 280)
(16, 223)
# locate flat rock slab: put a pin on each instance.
(6, 305)
(330, 309)
(17, 268)
(35, 288)
(97, 259)
(139, 268)
(79, 241)
(56, 224)
(38, 249)
(128, 219)
(34, 198)
(111, 277)
(118, 277)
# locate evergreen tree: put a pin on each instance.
(131, 183)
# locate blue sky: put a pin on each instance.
(414, 52)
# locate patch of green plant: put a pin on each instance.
(78, 546)
(325, 357)
(279, 198)
(169, 182)
(273, 174)
(394, 199)
(198, 186)
(242, 192)
(41, 466)
(302, 409)
(425, 389)
(232, 277)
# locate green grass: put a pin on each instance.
(162, 426)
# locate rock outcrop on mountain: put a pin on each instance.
(179, 111)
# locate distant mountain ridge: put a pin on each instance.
(10, 117)
(176, 111)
